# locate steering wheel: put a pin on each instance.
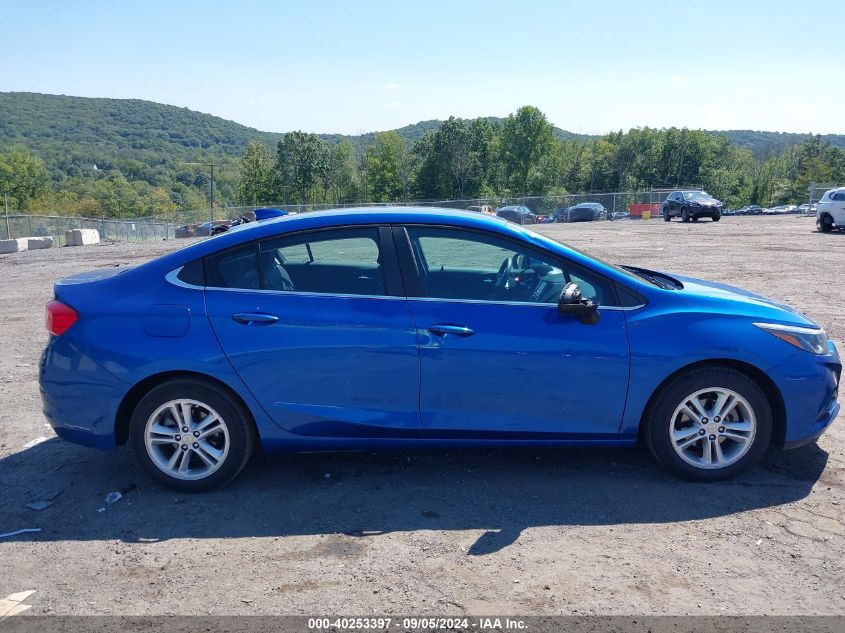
(505, 274)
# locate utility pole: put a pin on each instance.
(6, 206)
(211, 188)
(211, 166)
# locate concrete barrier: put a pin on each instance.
(45, 241)
(13, 245)
(82, 237)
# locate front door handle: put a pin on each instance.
(442, 329)
(255, 318)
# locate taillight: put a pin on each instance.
(60, 317)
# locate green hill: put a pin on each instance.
(767, 144)
(83, 130)
(67, 131)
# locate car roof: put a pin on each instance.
(344, 217)
(364, 216)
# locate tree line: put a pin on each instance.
(468, 159)
(459, 159)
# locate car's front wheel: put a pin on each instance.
(717, 216)
(666, 215)
(191, 435)
(709, 424)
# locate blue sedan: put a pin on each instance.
(377, 328)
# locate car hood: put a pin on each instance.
(708, 202)
(747, 303)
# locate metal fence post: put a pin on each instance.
(6, 206)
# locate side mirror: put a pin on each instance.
(571, 302)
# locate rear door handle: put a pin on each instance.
(255, 318)
(442, 329)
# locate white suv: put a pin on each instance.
(830, 211)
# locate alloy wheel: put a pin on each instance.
(186, 439)
(713, 428)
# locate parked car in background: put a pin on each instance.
(214, 227)
(583, 212)
(544, 218)
(368, 329)
(691, 205)
(830, 211)
(751, 209)
(780, 209)
(517, 214)
(483, 208)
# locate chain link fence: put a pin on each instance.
(817, 190)
(199, 221)
(135, 230)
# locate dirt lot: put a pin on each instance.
(476, 532)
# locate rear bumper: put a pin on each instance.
(79, 397)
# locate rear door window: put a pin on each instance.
(335, 261)
(332, 261)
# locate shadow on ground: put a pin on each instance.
(502, 492)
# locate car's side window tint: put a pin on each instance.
(465, 265)
(838, 197)
(236, 268)
(334, 261)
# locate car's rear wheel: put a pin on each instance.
(685, 215)
(191, 435)
(709, 424)
(824, 223)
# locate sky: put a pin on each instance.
(352, 67)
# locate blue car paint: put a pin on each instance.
(331, 366)
(530, 369)
(130, 320)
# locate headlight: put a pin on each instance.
(813, 340)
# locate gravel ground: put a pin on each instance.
(583, 531)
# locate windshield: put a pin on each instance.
(696, 195)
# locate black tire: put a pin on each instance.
(658, 418)
(666, 215)
(718, 216)
(237, 420)
(824, 223)
(695, 218)
(685, 215)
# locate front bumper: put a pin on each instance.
(809, 385)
